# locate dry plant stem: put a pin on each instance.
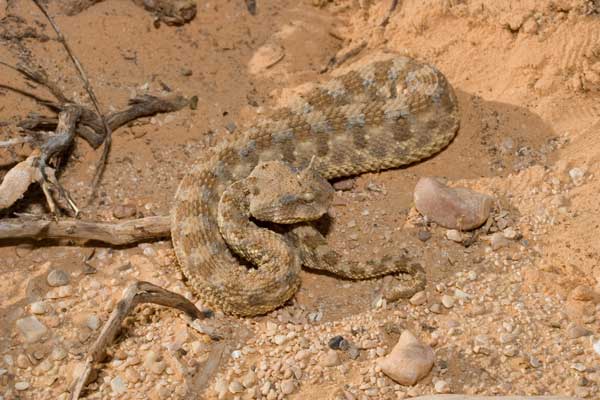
(137, 293)
(392, 8)
(120, 233)
(90, 127)
(88, 88)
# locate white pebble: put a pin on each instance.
(447, 301)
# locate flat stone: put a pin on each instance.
(330, 359)
(20, 386)
(31, 328)
(39, 308)
(57, 277)
(235, 387)
(577, 331)
(409, 361)
(93, 322)
(249, 379)
(447, 301)
(287, 386)
(418, 298)
(117, 385)
(498, 241)
(452, 208)
(454, 235)
(124, 211)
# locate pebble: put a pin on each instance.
(249, 379)
(409, 361)
(93, 322)
(453, 208)
(57, 277)
(577, 331)
(330, 359)
(442, 387)
(344, 185)
(576, 175)
(20, 386)
(22, 361)
(39, 307)
(235, 387)
(447, 301)
(58, 353)
(510, 233)
(287, 386)
(124, 211)
(424, 236)
(132, 375)
(498, 241)
(454, 235)
(31, 328)
(117, 385)
(418, 298)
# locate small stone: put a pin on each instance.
(287, 386)
(577, 331)
(424, 236)
(330, 359)
(132, 375)
(235, 387)
(442, 387)
(93, 322)
(336, 342)
(418, 298)
(452, 208)
(579, 367)
(158, 367)
(20, 386)
(510, 233)
(280, 339)
(117, 385)
(124, 211)
(498, 241)
(454, 235)
(249, 379)
(57, 277)
(577, 175)
(58, 353)
(22, 361)
(436, 308)
(472, 275)
(447, 301)
(353, 352)
(31, 328)
(409, 361)
(230, 127)
(344, 185)
(39, 307)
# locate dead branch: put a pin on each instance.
(86, 83)
(137, 293)
(120, 233)
(89, 126)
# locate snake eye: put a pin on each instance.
(308, 196)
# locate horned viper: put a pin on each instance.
(390, 112)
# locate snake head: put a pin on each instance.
(285, 195)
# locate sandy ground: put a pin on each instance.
(523, 318)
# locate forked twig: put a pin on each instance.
(137, 293)
(88, 87)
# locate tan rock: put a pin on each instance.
(409, 361)
(452, 208)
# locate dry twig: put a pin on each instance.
(137, 293)
(120, 233)
(86, 83)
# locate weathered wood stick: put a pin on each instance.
(119, 233)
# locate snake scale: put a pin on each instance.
(387, 113)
